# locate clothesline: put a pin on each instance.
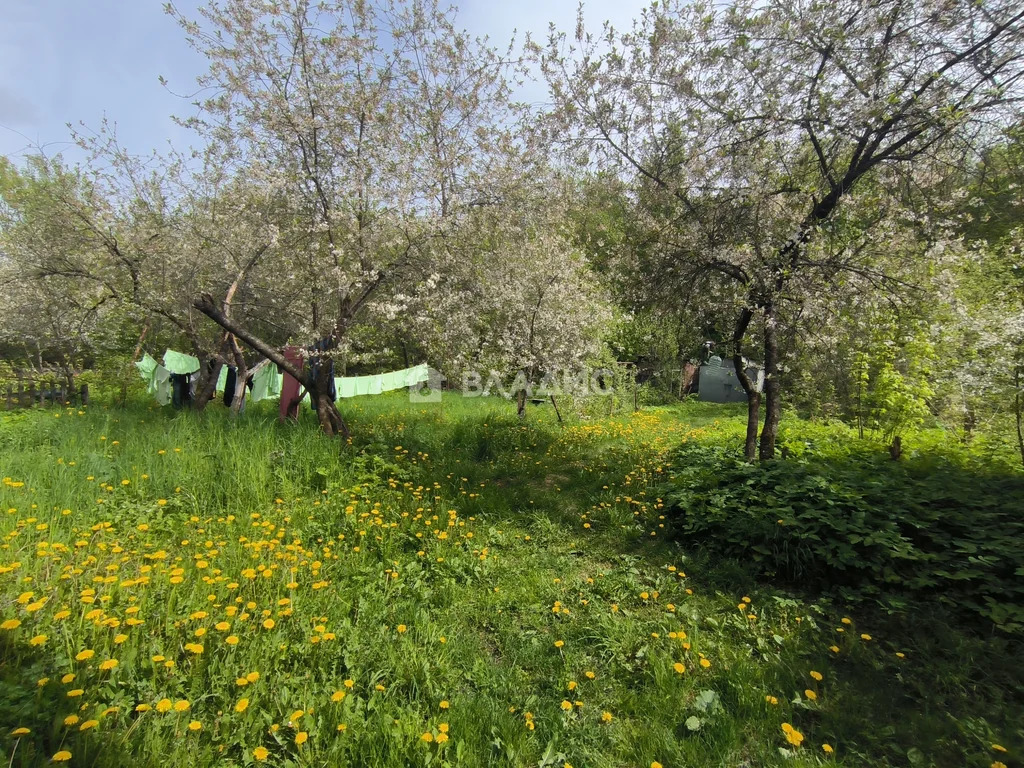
(267, 382)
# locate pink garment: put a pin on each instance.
(290, 387)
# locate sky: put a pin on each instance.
(68, 61)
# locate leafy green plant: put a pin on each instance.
(863, 525)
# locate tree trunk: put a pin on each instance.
(206, 387)
(753, 396)
(129, 369)
(521, 403)
(1017, 407)
(326, 411)
(242, 376)
(772, 385)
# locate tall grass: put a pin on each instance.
(451, 587)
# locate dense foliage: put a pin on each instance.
(940, 526)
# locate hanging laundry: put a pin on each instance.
(263, 382)
(146, 367)
(231, 383)
(161, 386)
(176, 362)
(181, 389)
(354, 386)
(157, 378)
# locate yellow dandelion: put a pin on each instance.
(85, 655)
(10, 624)
(793, 736)
(20, 731)
(679, 668)
(268, 624)
(181, 705)
(427, 737)
(242, 705)
(71, 720)
(62, 757)
(337, 696)
(606, 717)
(88, 724)
(817, 675)
(811, 694)
(566, 705)
(108, 664)
(195, 725)
(260, 753)
(164, 705)
(444, 704)
(827, 749)
(38, 640)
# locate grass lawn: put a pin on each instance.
(452, 588)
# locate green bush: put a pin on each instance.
(930, 526)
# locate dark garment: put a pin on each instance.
(181, 389)
(229, 387)
(290, 387)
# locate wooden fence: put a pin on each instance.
(26, 394)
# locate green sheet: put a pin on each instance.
(267, 381)
(161, 386)
(176, 362)
(146, 367)
(355, 386)
(262, 382)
